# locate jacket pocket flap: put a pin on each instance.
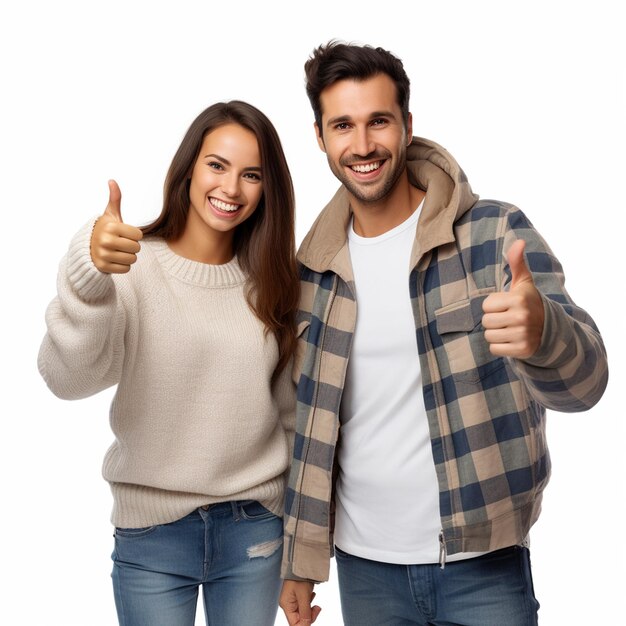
(301, 327)
(301, 347)
(462, 316)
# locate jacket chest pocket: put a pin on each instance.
(461, 336)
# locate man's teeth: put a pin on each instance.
(224, 206)
(369, 167)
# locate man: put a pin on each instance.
(434, 331)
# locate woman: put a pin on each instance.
(196, 327)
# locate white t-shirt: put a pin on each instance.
(387, 494)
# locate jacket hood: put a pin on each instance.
(448, 195)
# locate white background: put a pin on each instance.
(529, 97)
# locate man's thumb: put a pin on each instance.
(519, 270)
(114, 208)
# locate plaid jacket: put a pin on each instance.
(486, 414)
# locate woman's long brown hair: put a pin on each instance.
(265, 242)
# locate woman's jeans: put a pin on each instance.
(495, 589)
(232, 550)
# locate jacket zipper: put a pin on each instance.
(423, 318)
(442, 550)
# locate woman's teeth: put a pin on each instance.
(224, 206)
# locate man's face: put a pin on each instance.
(363, 136)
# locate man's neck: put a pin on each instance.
(372, 219)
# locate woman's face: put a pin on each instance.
(226, 181)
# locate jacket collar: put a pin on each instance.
(448, 196)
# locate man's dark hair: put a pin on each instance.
(338, 61)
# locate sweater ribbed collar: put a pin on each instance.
(201, 274)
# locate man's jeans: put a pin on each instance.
(495, 589)
(231, 549)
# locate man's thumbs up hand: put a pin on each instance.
(513, 320)
(114, 245)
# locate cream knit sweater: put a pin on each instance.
(194, 417)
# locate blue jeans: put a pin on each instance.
(495, 589)
(232, 550)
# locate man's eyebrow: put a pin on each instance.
(383, 114)
(252, 168)
(338, 120)
(341, 119)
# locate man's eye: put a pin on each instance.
(342, 126)
(379, 122)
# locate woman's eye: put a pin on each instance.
(252, 176)
(215, 165)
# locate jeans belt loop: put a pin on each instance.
(234, 505)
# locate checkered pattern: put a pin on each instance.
(486, 414)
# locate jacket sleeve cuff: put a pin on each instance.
(554, 348)
(287, 574)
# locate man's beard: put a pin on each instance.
(361, 191)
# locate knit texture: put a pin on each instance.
(194, 416)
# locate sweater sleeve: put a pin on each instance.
(569, 370)
(83, 349)
(285, 391)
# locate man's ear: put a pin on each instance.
(318, 135)
(409, 129)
